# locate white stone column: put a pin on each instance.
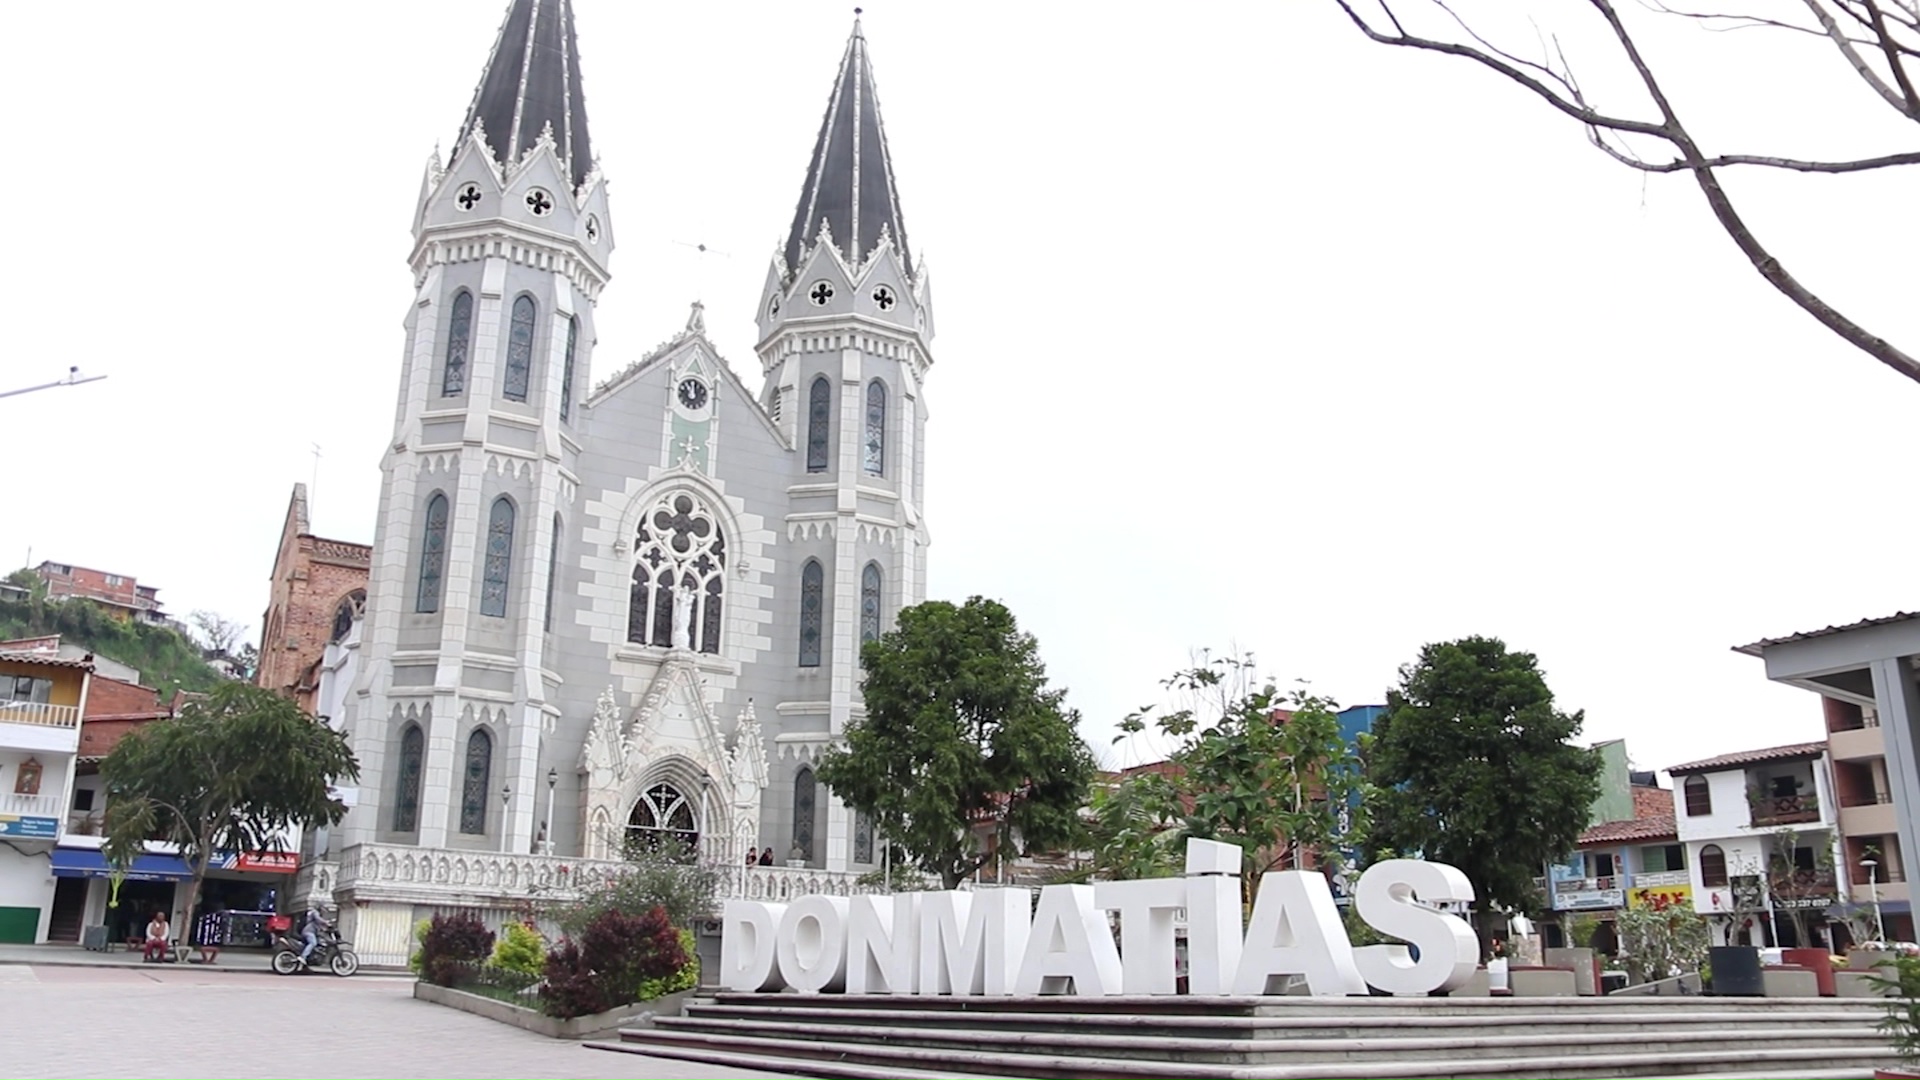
(1898, 703)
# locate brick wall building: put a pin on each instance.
(318, 586)
(119, 593)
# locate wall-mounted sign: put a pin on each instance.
(997, 942)
(30, 828)
(265, 862)
(1651, 895)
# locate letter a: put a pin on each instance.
(1296, 930)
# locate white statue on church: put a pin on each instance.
(683, 618)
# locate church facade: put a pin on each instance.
(597, 616)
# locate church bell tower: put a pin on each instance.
(845, 322)
(511, 243)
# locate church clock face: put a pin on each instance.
(693, 393)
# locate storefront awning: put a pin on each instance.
(76, 862)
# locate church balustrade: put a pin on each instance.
(394, 871)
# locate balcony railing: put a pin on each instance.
(1881, 876)
(1785, 809)
(1660, 877)
(1877, 798)
(47, 806)
(39, 715)
(1592, 884)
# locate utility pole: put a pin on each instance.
(74, 378)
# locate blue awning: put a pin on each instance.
(81, 862)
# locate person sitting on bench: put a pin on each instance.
(159, 944)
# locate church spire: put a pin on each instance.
(850, 190)
(532, 84)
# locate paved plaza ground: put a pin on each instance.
(155, 1021)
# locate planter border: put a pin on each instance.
(637, 1014)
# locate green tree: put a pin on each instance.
(230, 773)
(961, 735)
(1266, 771)
(1472, 765)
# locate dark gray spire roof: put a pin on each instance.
(532, 80)
(850, 181)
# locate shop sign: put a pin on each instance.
(1650, 895)
(997, 942)
(29, 828)
(264, 862)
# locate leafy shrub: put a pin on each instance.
(686, 978)
(451, 942)
(685, 890)
(419, 945)
(616, 952)
(520, 949)
(1662, 939)
(1898, 980)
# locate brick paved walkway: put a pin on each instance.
(171, 1022)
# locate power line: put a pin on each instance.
(74, 378)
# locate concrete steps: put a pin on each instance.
(873, 1036)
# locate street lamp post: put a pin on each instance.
(553, 779)
(506, 796)
(1873, 894)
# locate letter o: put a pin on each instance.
(812, 944)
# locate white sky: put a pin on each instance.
(1251, 332)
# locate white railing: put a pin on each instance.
(367, 870)
(33, 712)
(1661, 877)
(30, 805)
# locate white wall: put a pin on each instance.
(26, 880)
(1731, 814)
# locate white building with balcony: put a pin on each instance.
(1733, 813)
(42, 697)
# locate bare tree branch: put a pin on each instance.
(1691, 159)
(1892, 52)
(1910, 157)
(1860, 65)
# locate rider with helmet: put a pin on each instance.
(316, 924)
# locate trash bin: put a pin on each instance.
(1736, 971)
(95, 938)
(706, 945)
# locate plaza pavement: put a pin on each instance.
(101, 1020)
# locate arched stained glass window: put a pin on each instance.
(804, 790)
(679, 543)
(453, 376)
(813, 588)
(862, 838)
(474, 785)
(819, 424)
(519, 351)
(566, 371)
(406, 795)
(662, 822)
(870, 603)
(351, 607)
(553, 570)
(874, 449)
(433, 555)
(498, 563)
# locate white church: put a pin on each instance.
(631, 613)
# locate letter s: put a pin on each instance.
(1449, 952)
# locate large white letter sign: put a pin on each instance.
(1213, 916)
(1070, 940)
(747, 945)
(1146, 930)
(883, 945)
(970, 943)
(813, 943)
(1448, 950)
(1296, 930)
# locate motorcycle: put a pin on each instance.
(331, 954)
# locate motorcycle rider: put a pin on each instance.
(310, 931)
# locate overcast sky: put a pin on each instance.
(1251, 332)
